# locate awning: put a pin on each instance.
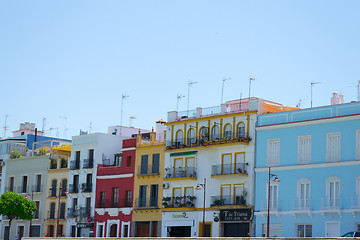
(182, 153)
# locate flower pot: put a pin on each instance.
(168, 147)
(205, 144)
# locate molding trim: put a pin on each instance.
(116, 176)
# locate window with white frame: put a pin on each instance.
(358, 145)
(274, 193)
(333, 147)
(273, 152)
(333, 192)
(304, 230)
(304, 149)
(303, 194)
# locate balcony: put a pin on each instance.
(179, 202)
(51, 215)
(274, 205)
(355, 202)
(75, 165)
(23, 189)
(144, 203)
(11, 189)
(217, 201)
(206, 141)
(88, 163)
(180, 172)
(110, 203)
(330, 203)
(52, 192)
(229, 169)
(85, 211)
(37, 215)
(73, 188)
(148, 171)
(86, 187)
(72, 212)
(301, 205)
(37, 188)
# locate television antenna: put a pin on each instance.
(222, 88)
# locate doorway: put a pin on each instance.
(236, 230)
(183, 231)
(113, 230)
(332, 229)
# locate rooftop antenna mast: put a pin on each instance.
(5, 126)
(131, 118)
(299, 103)
(313, 83)
(57, 131)
(222, 89)
(189, 85)
(65, 125)
(43, 125)
(250, 79)
(179, 97)
(90, 127)
(123, 97)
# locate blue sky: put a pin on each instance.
(76, 58)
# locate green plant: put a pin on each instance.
(64, 163)
(53, 163)
(16, 207)
(15, 154)
(42, 152)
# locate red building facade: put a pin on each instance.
(114, 193)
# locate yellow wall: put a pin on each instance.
(149, 149)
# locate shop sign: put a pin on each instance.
(235, 215)
(85, 225)
(180, 215)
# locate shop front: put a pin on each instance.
(179, 224)
(236, 222)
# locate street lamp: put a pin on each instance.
(276, 179)
(198, 187)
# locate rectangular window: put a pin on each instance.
(304, 150)
(144, 164)
(102, 199)
(177, 201)
(155, 163)
(304, 230)
(11, 184)
(38, 183)
(333, 147)
(24, 184)
(128, 198)
(37, 211)
(225, 194)
(153, 195)
(226, 164)
(115, 195)
(52, 211)
(77, 160)
(128, 162)
(334, 194)
(142, 195)
(273, 152)
(273, 196)
(304, 193)
(239, 165)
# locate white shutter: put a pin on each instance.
(275, 229)
(333, 147)
(304, 150)
(273, 152)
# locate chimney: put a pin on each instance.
(341, 98)
(334, 98)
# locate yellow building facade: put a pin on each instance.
(148, 180)
(56, 190)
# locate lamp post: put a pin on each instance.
(198, 187)
(276, 179)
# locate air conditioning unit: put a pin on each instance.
(165, 185)
(82, 186)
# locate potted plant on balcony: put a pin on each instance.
(217, 142)
(53, 163)
(166, 202)
(168, 147)
(205, 142)
(239, 170)
(217, 202)
(211, 142)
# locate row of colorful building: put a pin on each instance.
(205, 172)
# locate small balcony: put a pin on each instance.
(301, 204)
(73, 188)
(51, 215)
(23, 189)
(75, 165)
(180, 172)
(85, 211)
(274, 205)
(88, 163)
(37, 188)
(86, 187)
(53, 192)
(144, 203)
(330, 203)
(72, 212)
(148, 171)
(229, 169)
(355, 202)
(179, 202)
(217, 201)
(111, 203)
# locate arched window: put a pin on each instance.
(191, 136)
(52, 210)
(51, 230)
(179, 137)
(113, 230)
(241, 130)
(227, 131)
(215, 133)
(204, 133)
(53, 188)
(63, 187)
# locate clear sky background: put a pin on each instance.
(76, 58)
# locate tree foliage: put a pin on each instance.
(16, 206)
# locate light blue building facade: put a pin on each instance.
(315, 154)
